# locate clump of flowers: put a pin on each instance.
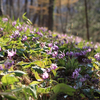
(24, 38)
(0, 48)
(53, 66)
(8, 63)
(15, 35)
(97, 56)
(45, 75)
(13, 23)
(1, 29)
(4, 19)
(1, 67)
(11, 53)
(76, 73)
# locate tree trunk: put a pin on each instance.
(26, 1)
(50, 15)
(31, 2)
(18, 3)
(87, 26)
(1, 8)
(11, 10)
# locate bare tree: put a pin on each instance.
(87, 25)
(26, 1)
(1, 8)
(11, 8)
(50, 15)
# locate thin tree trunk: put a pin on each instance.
(18, 3)
(26, 1)
(11, 6)
(35, 17)
(50, 15)
(31, 2)
(7, 7)
(60, 15)
(1, 8)
(87, 26)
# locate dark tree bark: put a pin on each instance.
(50, 15)
(11, 6)
(31, 2)
(87, 25)
(26, 1)
(7, 7)
(35, 17)
(1, 8)
(18, 3)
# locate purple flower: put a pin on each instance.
(48, 51)
(48, 70)
(8, 63)
(14, 23)
(94, 80)
(0, 48)
(75, 74)
(42, 44)
(11, 53)
(20, 29)
(87, 76)
(24, 38)
(70, 54)
(1, 68)
(1, 29)
(50, 45)
(78, 70)
(25, 29)
(5, 19)
(86, 60)
(97, 56)
(82, 79)
(54, 54)
(39, 33)
(45, 75)
(53, 66)
(61, 55)
(55, 47)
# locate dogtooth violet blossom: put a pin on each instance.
(1, 29)
(8, 63)
(1, 68)
(24, 38)
(11, 53)
(5, 19)
(76, 73)
(13, 23)
(0, 48)
(45, 75)
(53, 66)
(54, 54)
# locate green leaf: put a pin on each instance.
(1, 54)
(63, 88)
(33, 90)
(9, 79)
(19, 73)
(40, 63)
(44, 90)
(38, 69)
(10, 97)
(54, 72)
(38, 77)
(34, 82)
(22, 63)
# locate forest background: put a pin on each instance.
(75, 17)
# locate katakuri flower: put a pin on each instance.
(53, 66)
(45, 75)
